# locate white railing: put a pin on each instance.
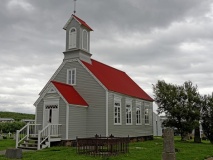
(48, 132)
(26, 131)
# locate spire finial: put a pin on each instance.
(75, 6)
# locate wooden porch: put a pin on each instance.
(33, 136)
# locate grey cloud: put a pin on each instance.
(150, 40)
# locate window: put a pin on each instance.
(117, 111)
(138, 113)
(71, 76)
(146, 114)
(128, 112)
(85, 40)
(72, 38)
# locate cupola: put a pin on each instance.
(77, 39)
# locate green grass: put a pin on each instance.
(7, 143)
(149, 150)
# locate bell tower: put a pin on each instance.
(77, 39)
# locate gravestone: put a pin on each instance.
(9, 134)
(168, 145)
(197, 138)
(14, 153)
(1, 137)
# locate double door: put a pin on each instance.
(51, 116)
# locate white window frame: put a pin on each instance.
(70, 77)
(84, 31)
(72, 38)
(128, 112)
(138, 115)
(146, 116)
(117, 111)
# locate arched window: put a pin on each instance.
(85, 40)
(72, 38)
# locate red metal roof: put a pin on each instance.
(70, 94)
(83, 23)
(116, 80)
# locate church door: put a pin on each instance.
(51, 114)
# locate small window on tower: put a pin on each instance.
(85, 40)
(72, 30)
(72, 38)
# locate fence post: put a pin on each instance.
(39, 139)
(49, 133)
(17, 138)
(28, 130)
(76, 144)
(127, 144)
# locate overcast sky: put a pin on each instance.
(150, 40)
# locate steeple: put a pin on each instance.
(77, 39)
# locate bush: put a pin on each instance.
(11, 126)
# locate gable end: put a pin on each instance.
(56, 73)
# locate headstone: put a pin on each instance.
(197, 138)
(168, 145)
(1, 137)
(14, 153)
(9, 134)
(186, 137)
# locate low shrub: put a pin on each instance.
(11, 126)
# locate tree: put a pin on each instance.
(207, 116)
(181, 104)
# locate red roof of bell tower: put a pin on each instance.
(82, 22)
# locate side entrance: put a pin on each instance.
(51, 115)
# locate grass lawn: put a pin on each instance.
(7, 143)
(149, 150)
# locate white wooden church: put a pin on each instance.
(85, 97)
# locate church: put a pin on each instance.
(85, 97)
